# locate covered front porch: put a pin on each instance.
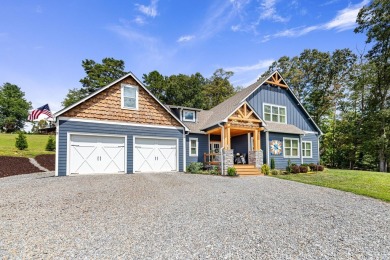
(236, 142)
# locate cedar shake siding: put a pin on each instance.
(106, 105)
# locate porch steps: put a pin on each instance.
(247, 170)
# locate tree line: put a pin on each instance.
(347, 94)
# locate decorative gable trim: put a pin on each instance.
(130, 74)
(277, 80)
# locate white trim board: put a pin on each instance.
(115, 123)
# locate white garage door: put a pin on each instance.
(96, 154)
(155, 155)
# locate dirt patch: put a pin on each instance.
(47, 160)
(15, 165)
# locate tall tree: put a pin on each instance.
(218, 88)
(374, 20)
(98, 76)
(13, 108)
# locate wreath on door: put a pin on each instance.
(276, 147)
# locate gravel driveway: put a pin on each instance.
(176, 215)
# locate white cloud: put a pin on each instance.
(150, 10)
(268, 11)
(186, 38)
(344, 20)
(262, 64)
(139, 20)
(235, 28)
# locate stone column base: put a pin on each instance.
(228, 161)
(256, 158)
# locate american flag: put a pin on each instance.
(40, 110)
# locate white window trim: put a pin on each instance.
(190, 147)
(184, 119)
(311, 149)
(123, 98)
(273, 105)
(284, 148)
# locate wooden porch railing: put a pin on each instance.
(211, 159)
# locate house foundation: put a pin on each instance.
(228, 160)
(256, 158)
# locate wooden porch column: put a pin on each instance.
(228, 141)
(255, 140)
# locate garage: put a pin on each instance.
(155, 155)
(89, 154)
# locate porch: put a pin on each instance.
(237, 143)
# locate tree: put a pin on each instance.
(21, 141)
(13, 108)
(51, 144)
(374, 19)
(218, 88)
(98, 76)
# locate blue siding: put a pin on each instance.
(203, 147)
(314, 142)
(101, 128)
(280, 161)
(240, 145)
(278, 96)
(263, 142)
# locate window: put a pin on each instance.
(306, 149)
(291, 147)
(193, 147)
(188, 115)
(274, 113)
(129, 96)
(214, 147)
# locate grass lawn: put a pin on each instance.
(371, 184)
(36, 145)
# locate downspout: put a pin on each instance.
(223, 147)
(185, 151)
(267, 146)
(300, 151)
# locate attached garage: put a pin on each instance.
(90, 154)
(155, 154)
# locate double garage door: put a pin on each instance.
(107, 154)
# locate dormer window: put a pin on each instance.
(129, 97)
(274, 113)
(189, 115)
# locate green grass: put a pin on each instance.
(371, 184)
(36, 145)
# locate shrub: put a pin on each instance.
(51, 144)
(195, 167)
(272, 163)
(214, 170)
(21, 141)
(231, 171)
(288, 168)
(265, 169)
(303, 169)
(275, 172)
(320, 168)
(295, 169)
(313, 167)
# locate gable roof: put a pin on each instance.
(130, 74)
(221, 112)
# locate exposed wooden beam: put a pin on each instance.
(239, 111)
(245, 119)
(249, 114)
(245, 109)
(215, 130)
(277, 84)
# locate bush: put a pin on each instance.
(231, 171)
(21, 141)
(320, 168)
(275, 172)
(313, 167)
(265, 169)
(295, 169)
(51, 144)
(214, 170)
(303, 169)
(195, 167)
(288, 168)
(272, 163)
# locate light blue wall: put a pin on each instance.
(314, 141)
(101, 128)
(203, 147)
(278, 96)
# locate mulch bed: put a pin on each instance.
(15, 165)
(47, 160)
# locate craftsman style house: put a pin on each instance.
(123, 128)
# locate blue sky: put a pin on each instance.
(42, 43)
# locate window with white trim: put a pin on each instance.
(291, 147)
(189, 115)
(129, 96)
(307, 149)
(274, 113)
(193, 146)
